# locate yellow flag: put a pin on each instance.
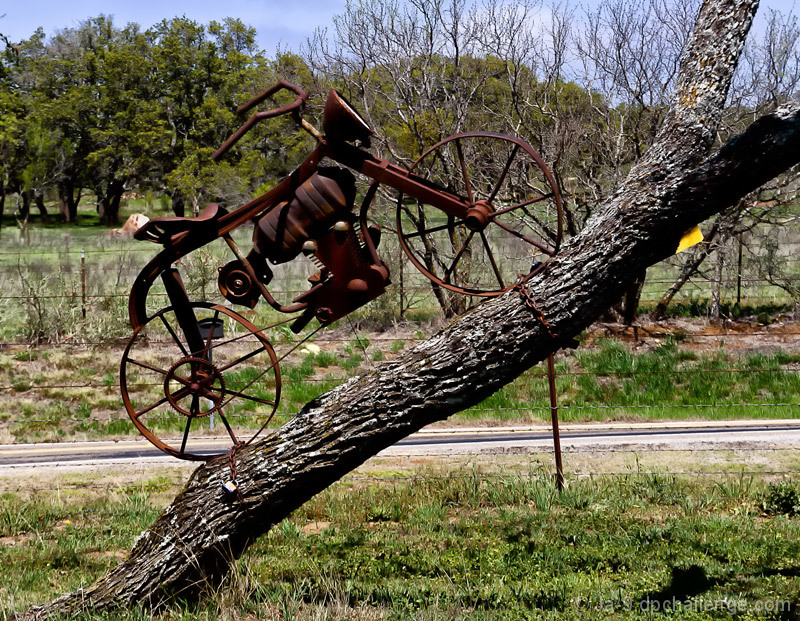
(690, 238)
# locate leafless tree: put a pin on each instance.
(767, 77)
(416, 72)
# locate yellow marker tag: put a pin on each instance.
(690, 238)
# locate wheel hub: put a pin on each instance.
(194, 384)
(477, 218)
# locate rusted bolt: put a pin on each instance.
(309, 247)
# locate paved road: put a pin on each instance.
(574, 437)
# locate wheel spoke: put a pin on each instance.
(504, 173)
(149, 367)
(174, 336)
(150, 408)
(491, 258)
(228, 427)
(458, 256)
(242, 359)
(221, 344)
(542, 226)
(500, 212)
(464, 170)
(241, 395)
(183, 392)
(181, 380)
(524, 238)
(186, 431)
(432, 230)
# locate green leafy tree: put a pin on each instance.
(200, 75)
(11, 143)
(83, 88)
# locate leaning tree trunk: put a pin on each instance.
(674, 187)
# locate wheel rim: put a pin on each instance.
(513, 222)
(171, 395)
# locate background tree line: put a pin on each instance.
(109, 110)
(102, 110)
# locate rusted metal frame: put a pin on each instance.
(257, 281)
(191, 240)
(259, 206)
(184, 313)
(293, 108)
(365, 205)
(193, 234)
(353, 157)
(396, 177)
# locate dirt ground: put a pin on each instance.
(742, 336)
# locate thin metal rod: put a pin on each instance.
(491, 258)
(551, 375)
(464, 171)
(83, 283)
(739, 275)
(458, 257)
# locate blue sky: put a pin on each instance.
(278, 22)
(285, 22)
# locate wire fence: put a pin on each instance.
(99, 277)
(734, 279)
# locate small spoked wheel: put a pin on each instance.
(511, 225)
(182, 398)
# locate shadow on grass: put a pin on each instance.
(688, 583)
(684, 584)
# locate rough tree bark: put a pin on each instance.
(673, 187)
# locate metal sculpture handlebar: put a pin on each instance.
(293, 108)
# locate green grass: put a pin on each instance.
(607, 381)
(611, 382)
(461, 544)
(53, 544)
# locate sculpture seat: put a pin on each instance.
(164, 230)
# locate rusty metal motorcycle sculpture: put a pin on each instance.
(472, 211)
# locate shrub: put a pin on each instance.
(781, 499)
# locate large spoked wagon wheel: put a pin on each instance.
(175, 395)
(513, 223)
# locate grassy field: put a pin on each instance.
(59, 370)
(73, 393)
(470, 541)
